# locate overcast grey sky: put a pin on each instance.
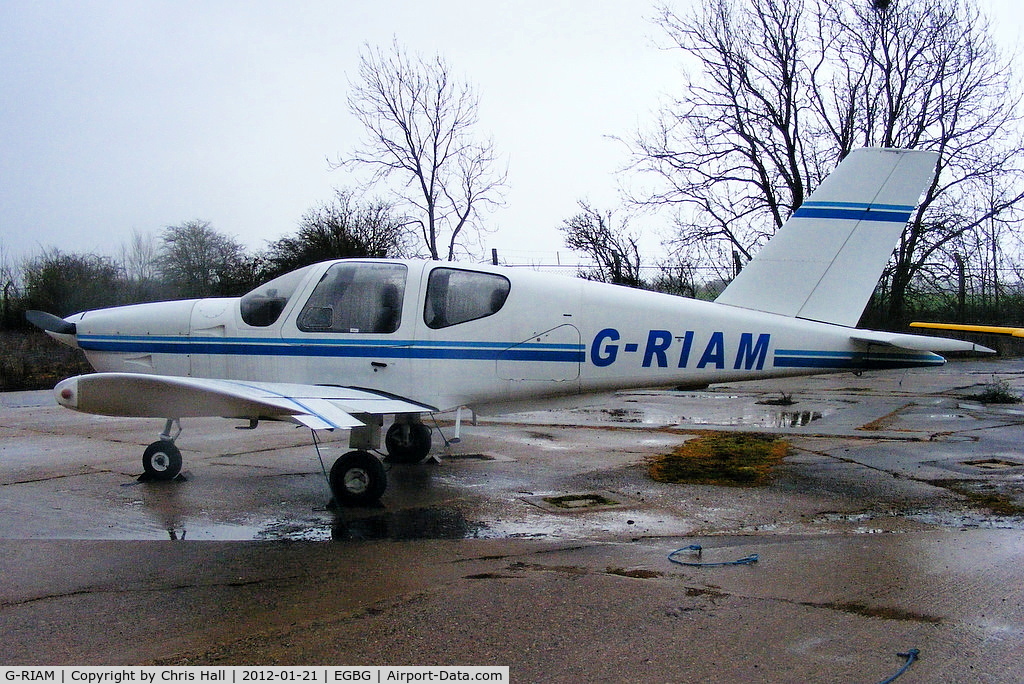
(135, 114)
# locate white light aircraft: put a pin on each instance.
(342, 344)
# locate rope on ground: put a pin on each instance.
(911, 656)
(748, 560)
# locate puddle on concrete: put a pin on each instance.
(797, 418)
(29, 399)
(888, 522)
(967, 520)
(406, 524)
(753, 415)
(412, 523)
(761, 418)
(291, 530)
(622, 415)
(859, 523)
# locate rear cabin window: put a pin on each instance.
(356, 298)
(263, 305)
(455, 296)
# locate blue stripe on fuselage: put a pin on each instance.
(397, 349)
(800, 358)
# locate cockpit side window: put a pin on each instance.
(262, 306)
(455, 296)
(356, 298)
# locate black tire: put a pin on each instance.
(407, 442)
(358, 479)
(161, 461)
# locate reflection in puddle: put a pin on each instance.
(412, 523)
(731, 410)
(762, 418)
(797, 418)
(622, 415)
(402, 525)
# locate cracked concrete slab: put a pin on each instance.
(863, 551)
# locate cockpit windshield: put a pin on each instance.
(356, 297)
(263, 305)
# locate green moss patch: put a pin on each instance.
(721, 458)
(982, 495)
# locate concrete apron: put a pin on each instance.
(861, 554)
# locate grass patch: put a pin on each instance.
(721, 458)
(997, 392)
(981, 495)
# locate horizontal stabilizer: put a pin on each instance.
(918, 342)
(824, 263)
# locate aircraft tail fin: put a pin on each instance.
(825, 261)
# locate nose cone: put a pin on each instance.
(66, 393)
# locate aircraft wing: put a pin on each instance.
(993, 329)
(139, 395)
(918, 342)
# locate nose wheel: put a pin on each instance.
(161, 461)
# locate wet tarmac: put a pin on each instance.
(539, 541)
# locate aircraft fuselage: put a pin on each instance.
(447, 335)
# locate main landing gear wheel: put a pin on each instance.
(358, 479)
(161, 461)
(407, 442)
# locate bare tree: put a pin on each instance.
(925, 74)
(420, 126)
(139, 257)
(197, 261)
(783, 90)
(611, 245)
(729, 153)
(140, 264)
